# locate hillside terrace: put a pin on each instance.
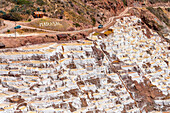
(89, 76)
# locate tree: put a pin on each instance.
(44, 10)
(38, 9)
(40, 2)
(28, 12)
(93, 22)
(76, 24)
(8, 30)
(21, 2)
(125, 2)
(29, 20)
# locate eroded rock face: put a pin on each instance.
(111, 74)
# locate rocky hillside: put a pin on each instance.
(155, 18)
(79, 12)
(76, 13)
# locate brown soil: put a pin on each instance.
(12, 42)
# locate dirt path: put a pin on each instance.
(12, 25)
(9, 25)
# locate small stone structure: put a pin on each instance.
(38, 14)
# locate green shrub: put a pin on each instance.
(76, 24)
(21, 2)
(44, 10)
(40, 2)
(2, 12)
(28, 12)
(38, 9)
(93, 21)
(13, 9)
(124, 2)
(168, 9)
(29, 20)
(8, 30)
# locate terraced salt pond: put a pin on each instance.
(88, 76)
